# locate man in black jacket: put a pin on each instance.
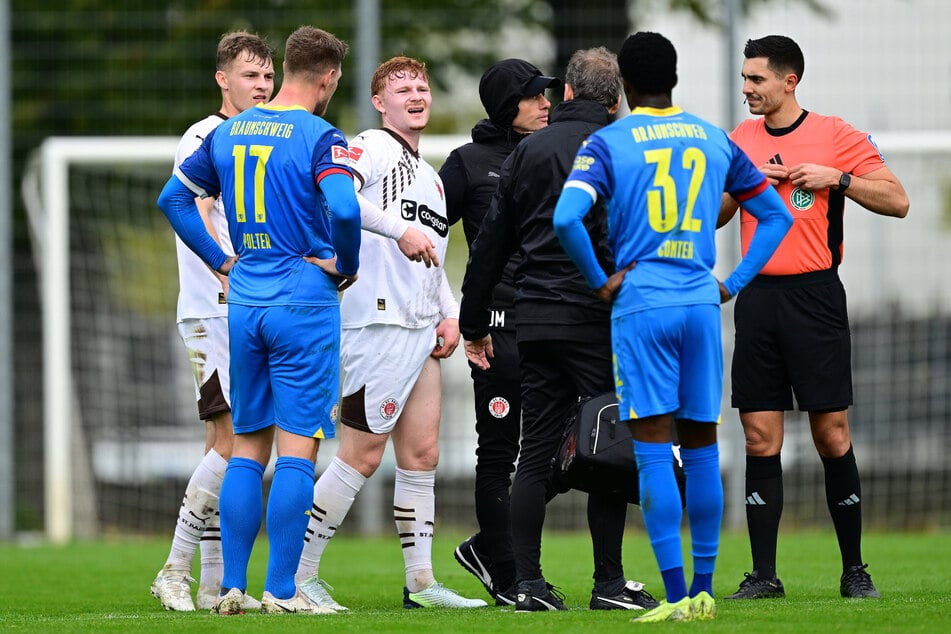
(563, 331)
(513, 94)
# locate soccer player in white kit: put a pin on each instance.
(245, 74)
(397, 323)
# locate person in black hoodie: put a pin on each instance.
(563, 331)
(513, 94)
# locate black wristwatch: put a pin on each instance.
(844, 181)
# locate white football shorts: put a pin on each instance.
(387, 360)
(206, 341)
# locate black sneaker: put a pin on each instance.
(505, 597)
(477, 563)
(756, 587)
(857, 584)
(537, 595)
(632, 597)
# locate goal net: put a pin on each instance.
(121, 435)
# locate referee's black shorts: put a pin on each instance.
(792, 337)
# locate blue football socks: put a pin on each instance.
(241, 501)
(291, 498)
(704, 512)
(661, 508)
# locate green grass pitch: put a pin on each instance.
(104, 587)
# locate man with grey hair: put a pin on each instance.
(562, 330)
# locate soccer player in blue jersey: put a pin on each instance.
(284, 176)
(245, 76)
(662, 172)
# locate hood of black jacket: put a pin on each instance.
(504, 84)
(487, 132)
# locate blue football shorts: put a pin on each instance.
(285, 368)
(669, 360)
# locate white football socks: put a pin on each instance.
(414, 511)
(334, 493)
(199, 509)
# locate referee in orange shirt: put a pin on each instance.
(792, 327)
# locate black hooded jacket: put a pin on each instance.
(471, 173)
(552, 298)
(470, 176)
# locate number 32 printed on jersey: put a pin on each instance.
(662, 210)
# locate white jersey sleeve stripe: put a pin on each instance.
(585, 187)
(198, 191)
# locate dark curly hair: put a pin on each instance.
(648, 63)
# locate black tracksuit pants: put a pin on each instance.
(554, 375)
(498, 426)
